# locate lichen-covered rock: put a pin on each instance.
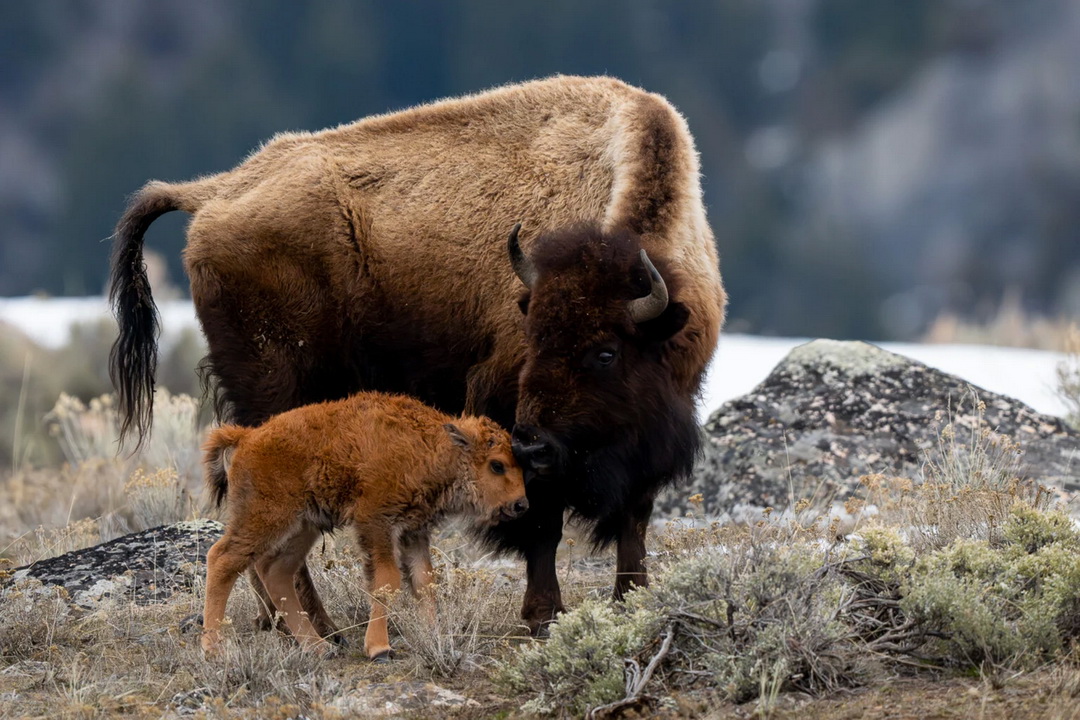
(143, 567)
(832, 412)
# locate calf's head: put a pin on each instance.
(497, 488)
(598, 318)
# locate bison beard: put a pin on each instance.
(613, 488)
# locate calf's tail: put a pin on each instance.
(217, 453)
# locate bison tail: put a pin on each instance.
(133, 359)
(217, 457)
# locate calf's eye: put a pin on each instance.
(605, 358)
(497, 467)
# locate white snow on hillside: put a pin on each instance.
(741, 362)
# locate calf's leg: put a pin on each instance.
(414, 551)
(309, 600)
(383, 573)
(259, 375)
(278, 574)
(224, 564)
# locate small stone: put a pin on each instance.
(397, 698)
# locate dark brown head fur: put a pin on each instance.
(597, 399)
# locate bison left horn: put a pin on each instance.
(646, 308)
(523, 266)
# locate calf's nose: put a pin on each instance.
(515, 509)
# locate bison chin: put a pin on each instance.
(597, 475)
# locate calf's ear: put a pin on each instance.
(458, 437)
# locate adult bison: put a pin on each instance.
(374, 256)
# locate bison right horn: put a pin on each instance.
(523, 267)
(650, 306)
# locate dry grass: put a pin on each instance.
(32, 377)
(1068, 376)
(99, 493)
(1009, 326)
(970, 483)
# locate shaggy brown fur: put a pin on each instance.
(373, 255)
(386, 465)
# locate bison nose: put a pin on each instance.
(533, 451)
(515, 509)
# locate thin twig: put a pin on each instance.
(638, 679)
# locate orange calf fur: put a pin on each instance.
(387, 465)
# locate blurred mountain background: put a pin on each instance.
(868, 166)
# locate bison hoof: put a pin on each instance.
(267, 623)
(540, 623)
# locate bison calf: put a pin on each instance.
(387, 465)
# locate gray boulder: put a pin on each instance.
(143, 567)
(832, 412)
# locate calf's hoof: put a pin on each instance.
(383, 657)
(337, 638)
(211, 644)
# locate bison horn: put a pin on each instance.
(646, 308)
(523, 266)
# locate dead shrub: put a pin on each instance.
(475, 613)
(971, 481)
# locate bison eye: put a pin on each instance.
(497, 467)
(602, 358)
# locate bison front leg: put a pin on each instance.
(543, 598)
(630, 558)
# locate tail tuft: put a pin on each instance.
(134, 355)
(133, 359)
(217, 454)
